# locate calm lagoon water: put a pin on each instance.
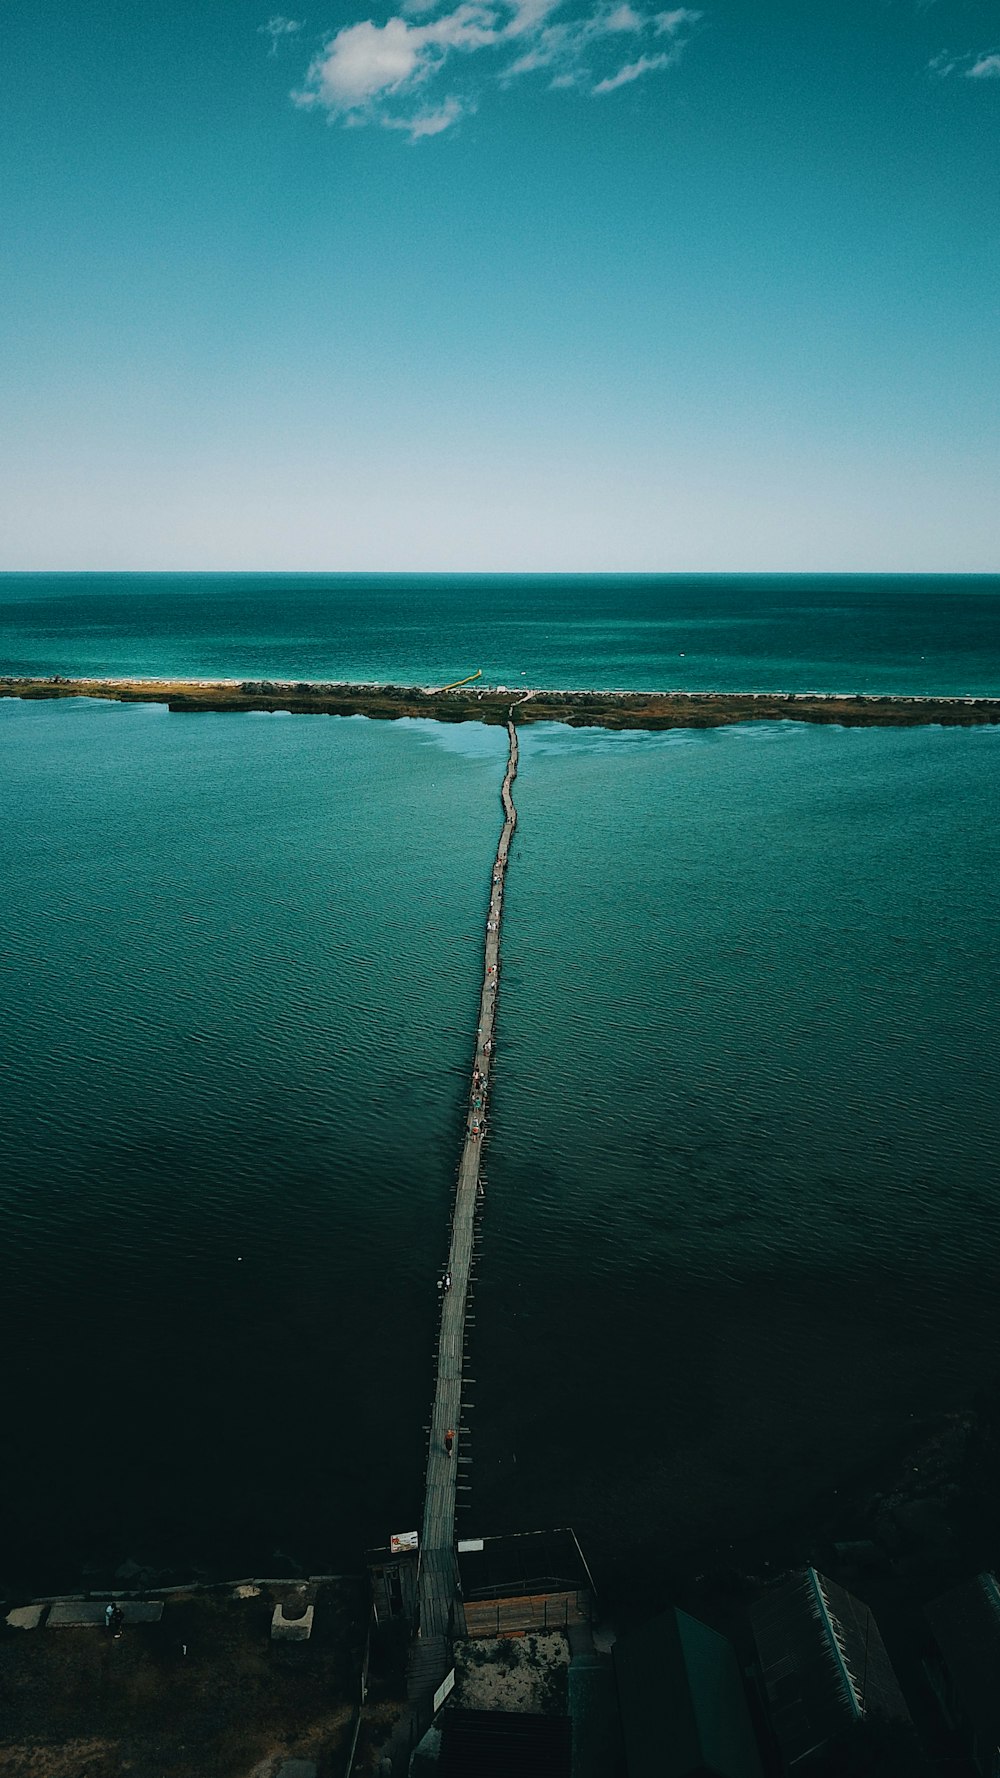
(241, 964)
(744, 1214)
(742, 1217)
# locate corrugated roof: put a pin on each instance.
(823, 1662)
(496, 1743)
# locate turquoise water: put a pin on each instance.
(875, 633)
(241, 967)
(742, 1215)
(743, 1207)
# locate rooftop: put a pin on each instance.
(966, 1628)
(823, 1661)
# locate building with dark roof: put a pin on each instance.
(963, 1666)
(682, 1705)
(823, 1664)
(497, 1744)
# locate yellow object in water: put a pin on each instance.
(468, 681)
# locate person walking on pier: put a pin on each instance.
(449, 1440)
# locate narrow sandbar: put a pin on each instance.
(491, 704)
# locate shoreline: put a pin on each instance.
(491, 704)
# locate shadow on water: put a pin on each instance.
(665, 1418)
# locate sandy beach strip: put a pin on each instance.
(490, 704)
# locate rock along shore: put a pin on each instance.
(580, 709)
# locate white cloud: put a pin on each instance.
(374, 73)
(278, 27)
(528, 16)
(364, 61)
(632, 71)
(668, 24)
(542, 56)
(973, 67)
(623, 18)
(429, 123)
(564, 44)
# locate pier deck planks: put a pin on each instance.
(440, 1607)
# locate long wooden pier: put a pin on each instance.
(440, 1614)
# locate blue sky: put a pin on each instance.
(500, 284)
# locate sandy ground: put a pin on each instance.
(522, 1673)
(74, 1703)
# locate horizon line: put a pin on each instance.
(523, 573)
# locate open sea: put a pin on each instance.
(743, 1215)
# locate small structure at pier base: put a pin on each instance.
(392, 1576)
(534, 1580)
(525, 1603)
